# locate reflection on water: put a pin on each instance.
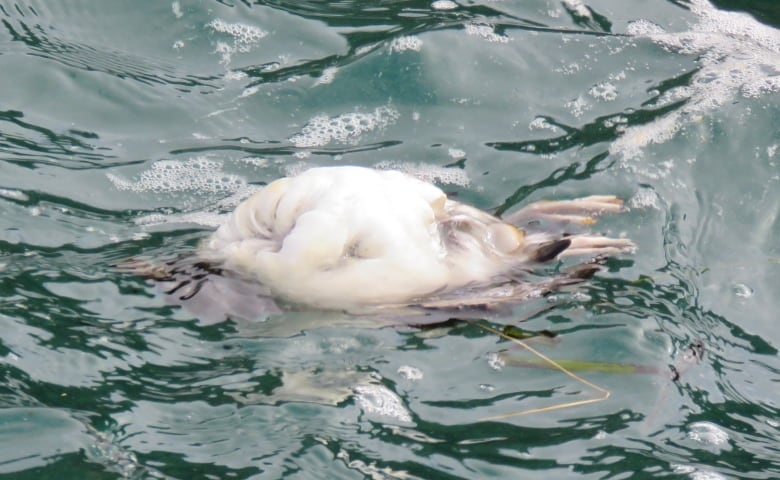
(130, 130)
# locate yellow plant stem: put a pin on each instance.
(605, 394)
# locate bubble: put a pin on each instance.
(456, 153)
(327, 76)
(706, 475)
(771, 150)
(695, 473)
(410, 373)
(255, 161)
(541, 123)
(495, 361)
(243, 36)
(345, 128)
(243, 33)
(634, 139)
(579, 8)
(581, 297)
(605, 91)
(199, 174)
(708, 433)
(736, 55)
(643, 28)
(225, 52)
(13, 194)
(569, 69)
(621, 75)
(486, 32)
(428, 173)
(674, 95)
(233, 75)
(176, 9)
(742, 290)
(644, 198)
(444, 5)
(578, 106)
(379, 400)
(404, 43)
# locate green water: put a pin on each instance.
(128, 128)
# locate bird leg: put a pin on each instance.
(579, 210)
(597, 245)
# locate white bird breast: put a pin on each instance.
(345, 236)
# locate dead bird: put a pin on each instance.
(376, 242)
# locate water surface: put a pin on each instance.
(131, 128)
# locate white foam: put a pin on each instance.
(634, 139)
(327, 76)
(13, 194)
(444, 5)
(578, 106)
(708, 433)
(206, 219)
(706, 475)
(486, 32)
(212, 216)
(344, 128)
(225, 52)
(569, 69)
(456, 153)
(199, 174)
(737, 56)
(643, 28)
(428, 173)
(695, 473)
(234, 75)
(196, 175)
(644, 198)
(578, 8)
(605, 91)
(541, 123)
(243, 38)
(674, 95)
(379, 400)
(176, 9)
(495, 361)
(742, 290)
(404, 43)
(242, 33)
(410, 373)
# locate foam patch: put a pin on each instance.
(198, 174)
(379, 400)
(344, 128)
(429, 173)
(737, 56)
(401, 44)
(486, 32)
(243, 37)
(444, 5)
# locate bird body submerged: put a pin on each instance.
(356, 239)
